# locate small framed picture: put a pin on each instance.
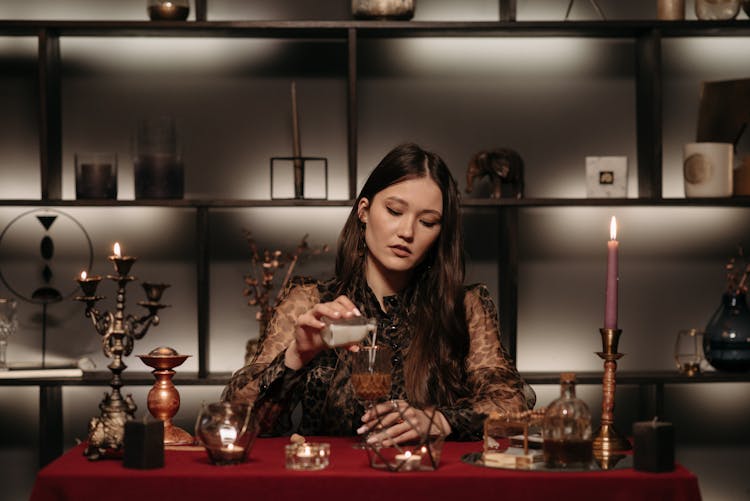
(606, 177)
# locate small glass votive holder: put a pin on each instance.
(688, 351)
(227, 431)
(307, 456)
(96, 176)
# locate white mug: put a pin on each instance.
(708, 169)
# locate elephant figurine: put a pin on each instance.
(502, 165)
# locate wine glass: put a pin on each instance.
(371, 375)
(8, 324)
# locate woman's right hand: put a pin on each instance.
(307, 341)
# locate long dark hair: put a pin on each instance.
(435, 366)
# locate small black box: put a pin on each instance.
(653, 446)
(144, 444)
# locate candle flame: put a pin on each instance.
(83, 275)
(117, 250)
(613, 228)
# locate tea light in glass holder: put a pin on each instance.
(407, 461)
(227, 431)
(229, 454)
(307, 456)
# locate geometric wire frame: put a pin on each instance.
(420, 455)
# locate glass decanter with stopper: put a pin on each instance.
(566, 429)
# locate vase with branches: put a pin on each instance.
(726, 342)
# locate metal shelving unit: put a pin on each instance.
(646, 37)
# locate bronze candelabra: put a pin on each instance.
(163, 397)
(119, 332)
(607, 440)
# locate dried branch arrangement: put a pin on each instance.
(262, 279)
(737, 270)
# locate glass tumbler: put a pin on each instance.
(159, 171)
(688, 351)
(96, 176)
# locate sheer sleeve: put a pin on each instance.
(494, 383)
(266, 373)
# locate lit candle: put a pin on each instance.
(304, 452)
(408, 461)
(230, 454)
(610, 305)
(307, 456)
(88, 284)
(121, 263)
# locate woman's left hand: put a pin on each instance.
(395, 422)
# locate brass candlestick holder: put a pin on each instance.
(119, 332)
(163, 397)
(607, 440)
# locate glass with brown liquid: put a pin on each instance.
(371, 374)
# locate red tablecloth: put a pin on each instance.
(188, 475)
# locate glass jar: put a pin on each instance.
(716, 10)
(168, 10)
(227, 431)
(159, 171)
(566, 429)
(726, 340)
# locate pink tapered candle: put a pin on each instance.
(610, 303)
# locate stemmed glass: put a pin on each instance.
(371, 374)
(8, 324)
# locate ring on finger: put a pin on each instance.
(395, 405)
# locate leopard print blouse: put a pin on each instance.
(321, 387)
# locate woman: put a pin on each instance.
(400, 261)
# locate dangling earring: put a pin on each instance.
(361, 244)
